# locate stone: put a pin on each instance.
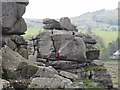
(66, 24)
(9, 14)
(5, 83)
(23, 52)
(79, 72)
(68, 75)
(21, 9)
(87, 38)
(7, 41)
(97, 62)
(57, 82)
(48, 72)
(18, 28)
(101, 75)
(15, 66)
(73, 50)
(64, 65)
(93, 54)
(51, 24)
(61, 39)
(26, 2)
(19, 40)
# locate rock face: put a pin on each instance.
(12, 18)
(64, 24)
(78, 56)
(51, 24)
(34, 64)
(13, 25)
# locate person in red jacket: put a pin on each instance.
(57, 54)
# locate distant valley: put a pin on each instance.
(98, 20)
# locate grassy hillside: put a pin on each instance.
(107, 36)
(98, 20)
(102, 19)
(32, 32)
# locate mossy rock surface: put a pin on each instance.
(26, 70)
(23, 52)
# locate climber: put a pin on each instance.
(48, 57)
(57, 54)
(47, 62)
(73, 34)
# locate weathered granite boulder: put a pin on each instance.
(73, 50)
(68, 75)
(18, 70)
(18, 28)
(6, 40)
(15, 66)
(19, 40)
(51, 24)
(87, 38)
(47, 72)
(65, 65)
(66, 24)
(12, 22)
(93, 54)
(58, 82)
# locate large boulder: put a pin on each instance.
(74, 50)
(87, 38)
(19, 40)
(18, 28)
(6, 40)
(12, 22)
(47, 72)
(51, 24)
(93, 54)
(68, 75)
(15, 66)
(56, 82)
(66, 24)
(9, 14)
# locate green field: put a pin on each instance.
(107, 36)
(31, 32)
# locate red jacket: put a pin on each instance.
(57, 54)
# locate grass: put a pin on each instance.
(107, 36)
(88, 84)
(32, 32)
(112, 68)
(88, 68)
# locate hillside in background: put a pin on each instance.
(98, 20)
